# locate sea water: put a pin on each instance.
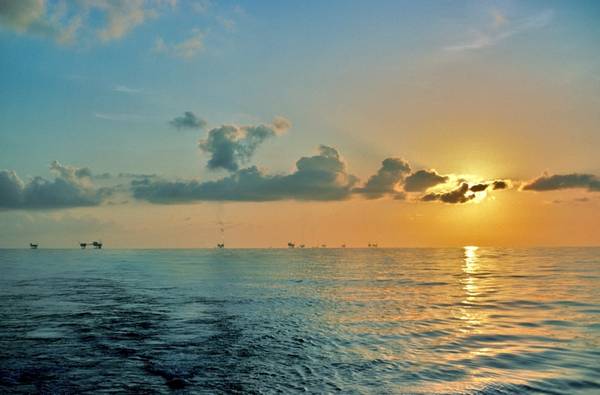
(462, 320)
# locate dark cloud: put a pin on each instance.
(422, 180)
(71, 188)
(576, 200)
(320, 177)
(500, 184)
(479, 187)
(494, 185)
(230, 146)
(102, 176)
(188, 121)
(462, 194)
(564, 181)
(391, 172)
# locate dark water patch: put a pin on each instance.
(504, 338)
(514, 361)
(525, 304)
(573, 303)
(431, 283)
(561, 323)
(529, 324)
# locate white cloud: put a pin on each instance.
(501, 30)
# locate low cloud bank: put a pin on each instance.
(422, 180)
(72, 187)
(564, 181)
(320, 177)
(385, 182)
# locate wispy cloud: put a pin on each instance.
(227, 23)
(501, 29)
(126, 89)
(200, 6)
(186, 49)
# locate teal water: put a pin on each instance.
(470, 320)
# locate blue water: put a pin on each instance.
(467, 320)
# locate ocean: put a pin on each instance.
(375, 321)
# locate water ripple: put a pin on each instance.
(472, 321)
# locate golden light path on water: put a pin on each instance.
(470, 286)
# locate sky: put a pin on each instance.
(183, 124)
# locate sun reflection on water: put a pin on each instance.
(471, 287)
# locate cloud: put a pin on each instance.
(564, 181)
(69, 172)
(494, 185)
(200, 6)
(231, 145)
(186, 49)
(227, 23)
(121, 16)
(321, 177)
(479, 187)
(35, 18)
(576, 200)
(462, 194)
(465, 192)
(72, 187)
(499, 18)
(67, 21)
(391, 172)
(503, 29)
(500, 184)
(422, 180)
(137, 175)
(20, 14)
(125, 89)
(188, 121)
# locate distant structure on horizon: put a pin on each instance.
(291, 245)
(33, 246)
(221, 245)
(96, 244)
(373, 245)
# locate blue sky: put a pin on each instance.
(274, 58)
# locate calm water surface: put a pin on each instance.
(467, 320)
